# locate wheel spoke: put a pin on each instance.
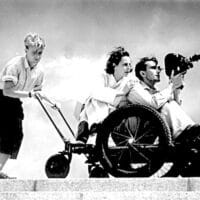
(119, 134)
(122, 152)
(135, 130)
(143, 135)
(145, 145)
(131, 156)
(124, 141)
(141, 154)
(131, 133)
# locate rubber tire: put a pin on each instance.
(97, 172)
(141, 112)
(57, 166)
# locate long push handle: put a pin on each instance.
(61, 114)
(49, 116)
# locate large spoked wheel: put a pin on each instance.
(133, 142)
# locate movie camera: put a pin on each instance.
(179, 63)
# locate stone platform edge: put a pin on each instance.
(99, 185)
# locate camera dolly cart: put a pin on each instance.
(133, 141)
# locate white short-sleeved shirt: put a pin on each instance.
(18, 71)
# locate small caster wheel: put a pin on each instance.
(58, 166)
(96, 171)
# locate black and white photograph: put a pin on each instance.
(99, 99)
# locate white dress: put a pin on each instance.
(102, 98)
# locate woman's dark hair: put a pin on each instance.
(114, 59)
(141, 65)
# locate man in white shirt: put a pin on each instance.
(144, 92)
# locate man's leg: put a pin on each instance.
(176, 118)
(3, 159)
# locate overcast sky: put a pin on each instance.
(79, 35)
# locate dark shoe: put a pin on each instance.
(189, 135)
(5, 176)
(94, 128)
(83, 132)
(184, 135)
(187, 144)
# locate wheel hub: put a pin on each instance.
(131, 141)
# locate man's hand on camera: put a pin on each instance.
(177, 81)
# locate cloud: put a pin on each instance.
(71, 78)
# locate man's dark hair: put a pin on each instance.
(141, 65)
(114, 59)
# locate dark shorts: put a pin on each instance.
(11, 133)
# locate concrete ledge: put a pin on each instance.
(17, 185)
(41, 196)
(99, 185)
(118, 185)
(100, 195)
